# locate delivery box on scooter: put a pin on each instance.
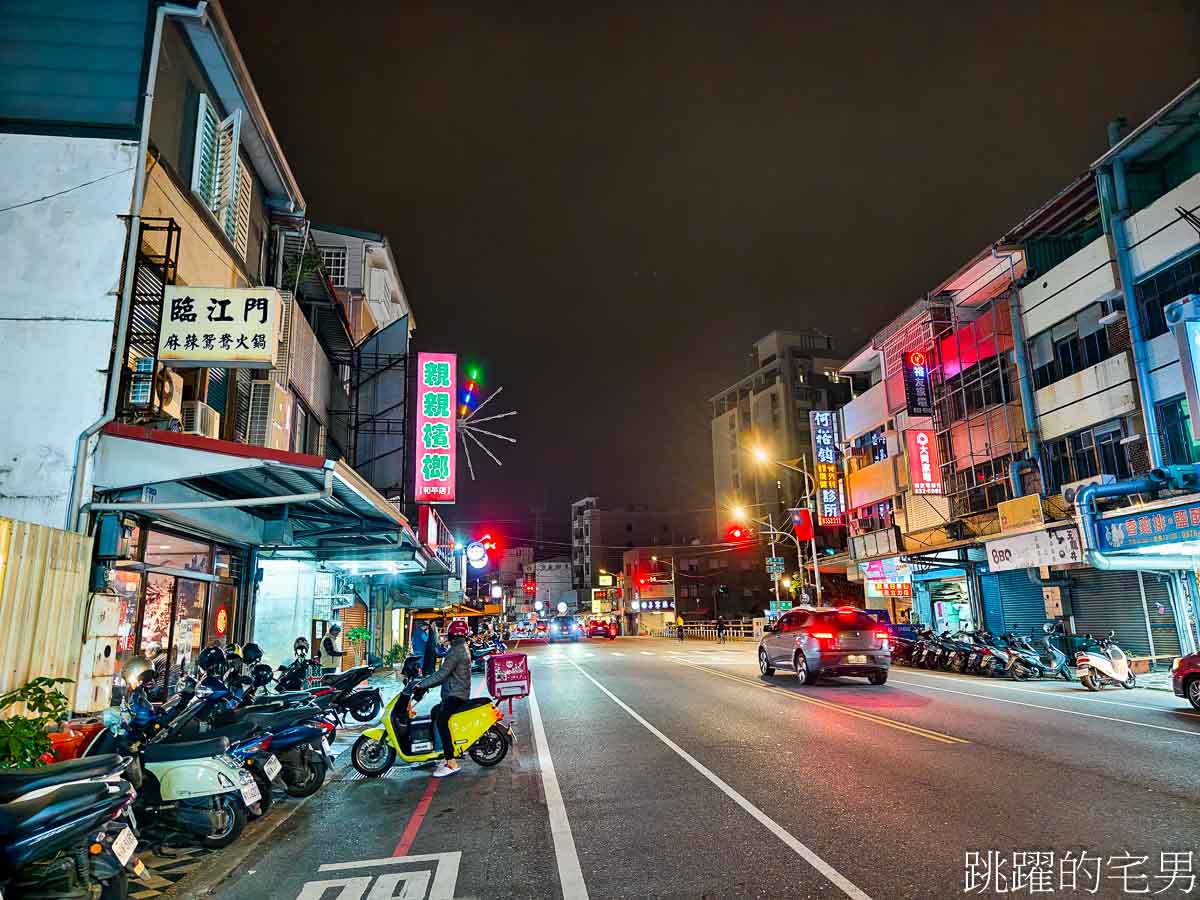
(508, 676)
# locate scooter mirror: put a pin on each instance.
(1112, 634)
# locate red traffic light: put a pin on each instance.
(737, 533)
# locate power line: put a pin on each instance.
(64, 191)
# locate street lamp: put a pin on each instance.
(763, 457)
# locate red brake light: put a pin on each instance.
(822, 635)
(882, 635)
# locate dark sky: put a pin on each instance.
(606, 208)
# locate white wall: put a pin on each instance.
(1096, 394)
(1166, 375)
(1078, 281)
(1158, 233)
(865, 412)
(61, 259)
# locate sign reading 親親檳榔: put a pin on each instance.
(435, 451)
(826, 455)
(220, 327)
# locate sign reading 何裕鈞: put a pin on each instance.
(917, 397)
(437, 379)
(219, 327)
(826, 455)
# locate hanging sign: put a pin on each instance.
(825, 451)
(219, 327)
(1034, 549)
(917, 396)
(924, 467)
(437, 377)
(1165, 525)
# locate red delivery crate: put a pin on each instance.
(508, 676)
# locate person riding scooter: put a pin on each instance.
(455, 678)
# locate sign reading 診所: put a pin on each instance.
(220, 327)
(826, 454)
(917, 397)
(1165, 525)
(437, 380)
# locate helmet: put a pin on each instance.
(252, 654)
(458, 628)
(211, 659)
(335, 627)
(260, 675)
(136, 670)
(300, 647)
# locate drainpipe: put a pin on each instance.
(79, 467)
(1085, 509)
(1113, 178)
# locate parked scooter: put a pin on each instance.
(1104, 663)
(1058, 664)
(478, 729)
(77, 842)
(1024, 662)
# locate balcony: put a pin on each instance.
(865, 412)
(875, 482)
(1078, 281)
(874, 544)
(1097, 394)
(1158, 233)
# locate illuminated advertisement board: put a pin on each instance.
(826, 454)
(924, 465)
(437, 378)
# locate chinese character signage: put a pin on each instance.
(826, 453)
(917, 397)
(1165, 525)
(437, 379)
(924, 467)
(1037, 548)
(220, 327)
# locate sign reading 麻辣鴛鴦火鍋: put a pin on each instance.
(220, 327)
(826, 455)
(437, 379)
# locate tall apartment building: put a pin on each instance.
(599, 535)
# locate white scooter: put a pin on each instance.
(1103, 664)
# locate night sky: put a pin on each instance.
(606, 208)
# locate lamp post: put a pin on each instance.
(670, 560)
(765, 458)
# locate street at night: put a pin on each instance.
(681, 772)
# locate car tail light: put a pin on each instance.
(822, 635)
(882, 636)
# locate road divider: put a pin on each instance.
(853, 712)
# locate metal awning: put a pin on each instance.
(294, 505)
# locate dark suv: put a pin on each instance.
(820, 641)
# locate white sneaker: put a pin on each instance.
(443, 770)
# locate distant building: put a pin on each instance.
(553, 578)
(600, 535)
(513, 561)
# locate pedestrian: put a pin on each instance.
(425, 647)
(679, 626)
(331, 648)
(455, 678)
(721, 629)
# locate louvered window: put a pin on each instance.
(216, 176)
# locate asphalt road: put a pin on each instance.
(671, 771)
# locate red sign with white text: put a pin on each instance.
(437, 405)
(924, 465)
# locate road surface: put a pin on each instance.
(661, 770)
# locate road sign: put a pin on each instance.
(777, 605)
(775, 564)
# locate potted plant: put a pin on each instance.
(358, 639)
(24, 741)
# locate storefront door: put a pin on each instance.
(951, 607)
(173, 625)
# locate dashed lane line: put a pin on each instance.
(570, 875)
(843, 883)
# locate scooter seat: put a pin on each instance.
(66, 803)
(162, 753)
(287, 697)
(284, 718)
(16, 782)
(475, 703)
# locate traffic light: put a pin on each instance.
(737, 533)
(530, 587)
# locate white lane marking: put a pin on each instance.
(647, 653)
(617, 653)
(1057, 709)
(570, 876)
(1089, 699)
(847, 887)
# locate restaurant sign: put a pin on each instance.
(1166, 525)
(1034, 549)
(437, 378)
(219, 327)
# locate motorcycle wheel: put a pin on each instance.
(264, 787)
(235, 820)
(1130, 682)
(116, 888)
(371, 757)
(366, 711)
(312, 775)
(491, 747)
(960, 665)
(1090, 682)
(1019, 672)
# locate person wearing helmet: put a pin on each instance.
(455, 678)
(331, 647)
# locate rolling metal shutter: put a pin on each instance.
(1112, 601)
(1013, 603)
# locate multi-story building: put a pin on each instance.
(599, 535)
(195, 422)
(554, 578)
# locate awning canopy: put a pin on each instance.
(457, 611)
(293, 505)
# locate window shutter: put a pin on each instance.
(217, 178)
(241, 229)
(224, 201)
(204, 154)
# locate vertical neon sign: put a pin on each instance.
(437, 377)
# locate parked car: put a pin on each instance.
(816, 642)
(1185, 678)
(600, 629)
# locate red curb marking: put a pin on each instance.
(418, 816)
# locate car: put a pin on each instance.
(564, 628)
(541, 630)
(1185, 678)
(822, 641)
(602, 630)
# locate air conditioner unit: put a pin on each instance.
(170, 393)
(1070, 490)
(200, 418)
(270, 408)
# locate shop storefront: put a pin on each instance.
(887, 584)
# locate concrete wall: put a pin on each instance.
(203, 259)
(283, 608)
(1166, 374)
(865, 412)
(62, 260)
(1158, 233)
(1097, 394)
(1075, 283)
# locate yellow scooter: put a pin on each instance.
(479, 730)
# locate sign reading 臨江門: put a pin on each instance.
(826, 455)
(917, 397)
(1165, 525)
(1036, 548)
(924, 467)
(219, 327)
(437, 379)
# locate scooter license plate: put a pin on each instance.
(272, 767)
(251, 793)
(325, 746)
(124, 846)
